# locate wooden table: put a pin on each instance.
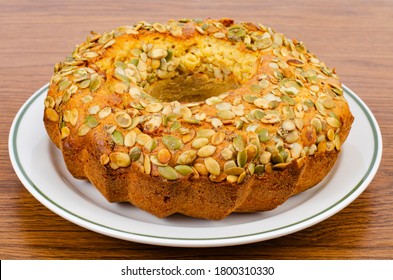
(356, 37)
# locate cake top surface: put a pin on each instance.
(194, 98)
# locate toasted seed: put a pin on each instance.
(147, 164)
(142, 139)
(93, 109)
(226, 154)
(238, 143)
(117, 137)
(317, 124)
(189, 136)
(83, 130)
(123, 119)
(91, 121)
(241, 177)
(104, 159)
(187, 157)
(164, 156)
(135, 153)
(226, 115)
(49, 102)
(330, 134)
(130, 139)
(184, 169)
(201, 168)
(167, 172)
(229, 164)
(263, 135)
(265, 157)
(212, 166)
(337, 142)
(295, 62)
(288, 125)
(120, 159)
(218, 138)
(159, 27)
(52, 115)
(151, 145)
(104, 112)
(259, 169)
(234, 171)
(154, 107)
(120, 88)
(206, 133)
(206, 151)
(333, 122)
(172, 143)
(271, 118)
(232, 179)
(199, 143)
(65, 132)
(242, 158)
(217, 123)
(157, 53)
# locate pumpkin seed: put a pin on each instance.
(238, 143)
(226, 154)
(164, 156)
(218, 138)
(263, 135)
(130, 139)
(154, 107)
(142, 139)
(117, 137)
(172, 143)
(135, 153)
(147, 164)
(167, 172)
(199, 143)
(242, 158)
(123, 119)
(157, 53)
(205, 133)
(201, 168)
(184, 170)
(65, 132)
(52, 115)
(333, 122)
(212, 166)
(206, 151)
(234, 171)
(91, 121)
(120, 159)
(259, 169)
(104, 112)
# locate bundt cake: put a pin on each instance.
(199, 117)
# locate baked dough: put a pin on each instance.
(203, 118)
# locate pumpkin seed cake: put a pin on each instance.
(199, 117)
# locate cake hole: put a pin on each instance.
(191, 88)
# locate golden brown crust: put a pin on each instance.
(250, 133)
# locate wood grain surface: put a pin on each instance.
(355, 37)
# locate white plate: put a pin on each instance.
(40, 167)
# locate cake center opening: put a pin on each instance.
(191, 88)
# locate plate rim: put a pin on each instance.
(354, 192)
